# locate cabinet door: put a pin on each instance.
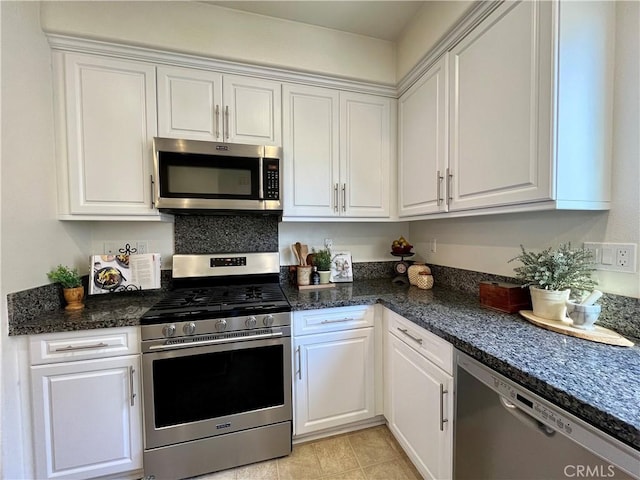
(189, 104)
(111, 120)
(422, 144)
(311, 151)
(87, 418)
(500, 81)
(365, 155)
(334, 379)
(418, 407)
(252, 110)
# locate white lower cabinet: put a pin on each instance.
(334, 372)
(418, 395)
(87, 415)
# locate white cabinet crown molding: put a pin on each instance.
(162, 57)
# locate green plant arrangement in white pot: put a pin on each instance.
(71, 283)
(322, 260)
(553, 275)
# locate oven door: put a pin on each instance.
(204, 391)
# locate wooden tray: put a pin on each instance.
(598, 334)
(317, 287)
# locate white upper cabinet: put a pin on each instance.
(189, 103)
(205, 105)
(528, 97)
(252, 110)
(106, 119)
(500, 88)
(422, 144)
(365, 154)
(311, 151)
(338, 149)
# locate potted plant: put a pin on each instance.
(71, 283)
(552, 275)
(322, 260)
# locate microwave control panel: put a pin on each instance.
(271, 176)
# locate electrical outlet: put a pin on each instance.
(142, 246)
(616, 257)
(111, 248)
(328, 243)
(433, 246)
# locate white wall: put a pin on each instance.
(202, 29)
(424, 31)
(367, 242)
(486, 243)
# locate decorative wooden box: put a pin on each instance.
(505, 297)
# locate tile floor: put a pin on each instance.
(372, 453)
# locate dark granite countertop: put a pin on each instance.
(596, 382)
(101, 311)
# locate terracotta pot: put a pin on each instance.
(73, 297)
(550, 304)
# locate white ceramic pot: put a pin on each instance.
(549, 304)
(325, 276)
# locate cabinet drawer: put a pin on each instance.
(85, 344)
(332, 319)
(431, 346)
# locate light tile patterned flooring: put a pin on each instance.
(367, 454)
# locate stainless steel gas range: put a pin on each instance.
(216, 356)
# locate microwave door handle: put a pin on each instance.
(261, 179)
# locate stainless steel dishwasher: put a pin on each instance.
(503, 431)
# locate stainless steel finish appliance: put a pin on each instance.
(192, 175)
(216, 367)
(503, 431)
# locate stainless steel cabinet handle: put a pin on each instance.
(344, 197)
(346, 319)
(71, 348)
(153, 193)
(442, 419)
(132, 385)
(217, 121)
(335, 197)
(449, 183)
(299, 363)
(406, 332)
(439, 187)
(226, 122)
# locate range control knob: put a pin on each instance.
(267, 320)
(251, 322)
(221, 325)
(169, 330)
(189, 328)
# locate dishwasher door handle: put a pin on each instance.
(525, 418)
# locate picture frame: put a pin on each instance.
(341, 267)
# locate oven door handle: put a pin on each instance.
(214, 341)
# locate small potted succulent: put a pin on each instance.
(552, 275)
(322, 260)
(71, 283)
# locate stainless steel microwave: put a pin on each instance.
(193, 176)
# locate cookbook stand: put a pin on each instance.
(401, 268)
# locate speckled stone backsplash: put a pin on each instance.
(202, 234)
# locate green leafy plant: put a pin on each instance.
(322, 259)
(557, 269)
(65, 276)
